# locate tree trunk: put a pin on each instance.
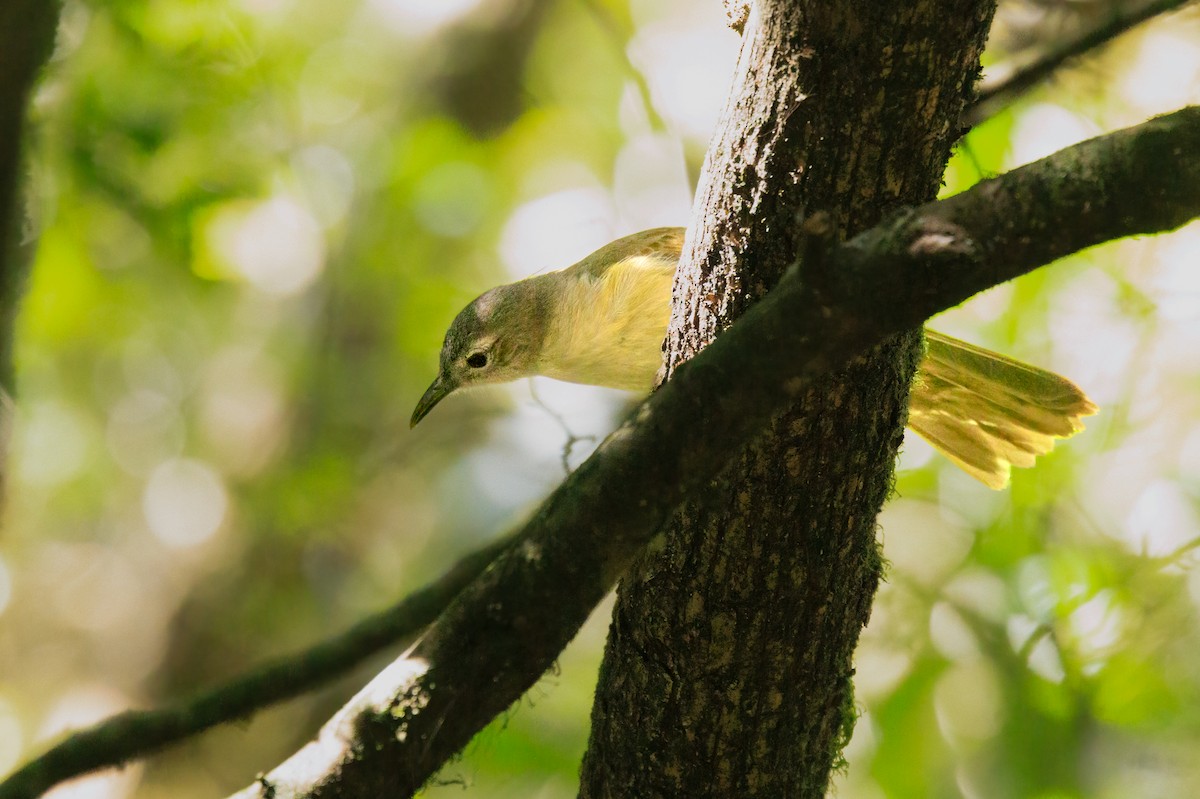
(27, 30)
(26, 36)
(728, 666)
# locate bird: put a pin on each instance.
(602, 321)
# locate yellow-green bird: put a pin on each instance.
(602, 322)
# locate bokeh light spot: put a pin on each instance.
(688, 69)
(1044, 129)
(184, 502)
(276, 244)
(51, 443)
(144, 428)
(1162, 520)
(968, 703)
(553, 231)
(415, 18)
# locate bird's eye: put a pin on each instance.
(477, 360)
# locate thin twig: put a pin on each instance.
(995, 97)
(572, 439)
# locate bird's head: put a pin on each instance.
(495, 339)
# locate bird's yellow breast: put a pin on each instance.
(608, 329)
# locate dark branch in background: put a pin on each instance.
(136, 734)
(28, 32)
(503, 631)
(995, 97)
(26, 36)
(479, 79)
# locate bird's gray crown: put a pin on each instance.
(509, 320)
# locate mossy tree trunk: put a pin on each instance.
(729, 661)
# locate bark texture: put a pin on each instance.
(728, 667)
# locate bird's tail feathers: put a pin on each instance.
(988, 413)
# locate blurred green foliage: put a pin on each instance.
(257, 218)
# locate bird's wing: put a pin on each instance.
(660, 243)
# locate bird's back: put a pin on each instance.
(611, 313)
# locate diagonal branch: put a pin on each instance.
(994, 97)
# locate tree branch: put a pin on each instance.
(135, 734)
(994, 97)
(502, 632)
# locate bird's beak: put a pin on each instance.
(432, 396)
